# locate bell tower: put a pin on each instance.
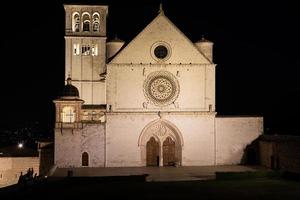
(85, 50)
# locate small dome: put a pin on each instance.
(113, 47)
(202, 40)
(70, 90)
(116, 39)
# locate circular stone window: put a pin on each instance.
(161, 88)
(160, 51)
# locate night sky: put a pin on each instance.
(255, 49)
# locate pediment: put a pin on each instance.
(148, 46)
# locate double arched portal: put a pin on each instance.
(161, 144)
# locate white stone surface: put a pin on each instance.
(161, 29)
(125, 85)
(71, 143)
(233, 134)
(124, 130)
(85, 70)
(206, 48)
(113, 47)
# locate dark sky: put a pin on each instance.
(256, 52)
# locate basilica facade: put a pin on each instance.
(148, 102)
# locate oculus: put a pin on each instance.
(160, 51)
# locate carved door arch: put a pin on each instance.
(154, 135)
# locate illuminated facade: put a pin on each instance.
(149, 103)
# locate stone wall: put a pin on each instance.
(124, 130)
(161, 29)
(11, 168)
(85, 70)
(280, 152)
(46, 160)
(233, 134)
(129, 71)
(126, 87)
(71, 143)
(201, 139)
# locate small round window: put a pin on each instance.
(161, 52)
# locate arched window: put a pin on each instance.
(86, 21)
(85, 159)
(96, 22)
(76, 22)
(68, 114)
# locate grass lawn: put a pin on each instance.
(83, 188)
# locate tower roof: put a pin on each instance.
(116, 39)
(204, 40)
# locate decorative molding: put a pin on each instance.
(144, 71)
(176, 104)
(207, 113)
(145, 104)
(160, 129)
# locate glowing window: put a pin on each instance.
(94, 50)
(76, 49)
(76, 22)
(86, 22)
(68, 114)
(85, 50)
(96, 22)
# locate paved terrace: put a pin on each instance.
(157, 173)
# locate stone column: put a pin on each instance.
(161, 159)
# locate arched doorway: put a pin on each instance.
(161, 144)
(152, 152)
(169, 157)
(85, 159)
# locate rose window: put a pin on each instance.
(161, 88)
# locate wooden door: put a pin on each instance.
(169, 152)
(152, 152)
(85, 159)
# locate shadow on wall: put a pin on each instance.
(251, 154)
(280, 152)
(276, 152)
(46, 155)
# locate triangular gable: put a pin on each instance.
(161, 29)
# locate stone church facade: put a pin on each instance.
(150, 102)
